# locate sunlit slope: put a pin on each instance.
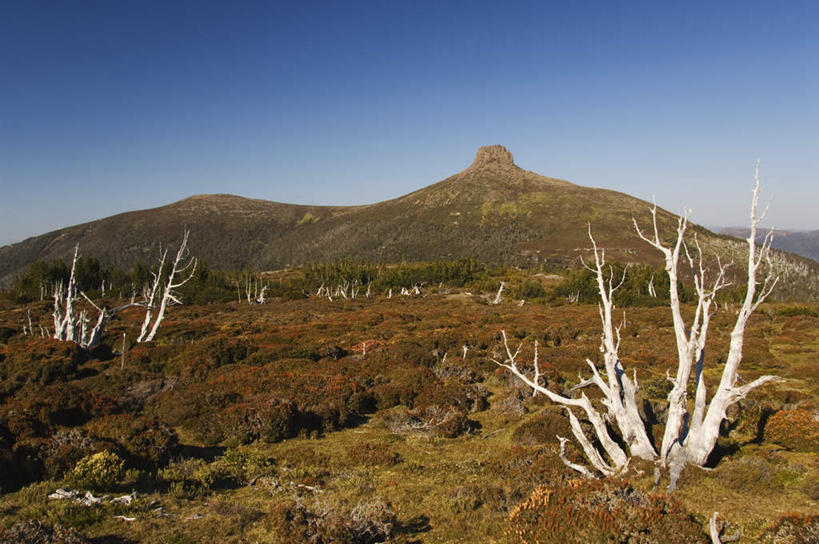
(492, 210)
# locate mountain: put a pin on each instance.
(804, 243)
(493, 210)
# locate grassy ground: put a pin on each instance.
(364, 458)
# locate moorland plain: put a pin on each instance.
(353, 420)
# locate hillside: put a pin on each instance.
(493, 210)
(804, 243)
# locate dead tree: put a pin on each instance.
(165, 291)
(254, 289)
(498, 298)
(689, 436)
(71, 324)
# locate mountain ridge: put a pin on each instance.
(800, 242)
(492, 210)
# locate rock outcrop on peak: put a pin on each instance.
(490, 156)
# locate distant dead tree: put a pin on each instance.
(75, 325)
(498, 298)
(164, 288)
(255, 288)
(618, 432)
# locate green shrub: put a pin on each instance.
(793, 311)
(543, 428)
(750, 474)
(99, 471)
(189, 478)
(144, 442)
(531, 289)
(238, 466)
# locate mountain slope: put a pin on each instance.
(804, 243)
(493, 210)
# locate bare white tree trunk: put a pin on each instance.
(150, 295)
(72, 326)
(688, 437)
(260, 298)
(498, 299)
(706, 421)
(248, 288)
(183, 265)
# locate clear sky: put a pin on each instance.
(112, 106)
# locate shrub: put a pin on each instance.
(793, 311)
(415, 353)
(239, 466)
(37, 412)
(796, 430)
(371, 522)
(542, 429)
(810, 487)
(144, 442)
(99, 471)
(793, 529)
(37, 532)
(235, 402)
(436, 420)
(601, 511)
(750, 474)
(519, 472)
(320, 523)
(63, 451)
(9, 477)
(260, 418)
(373, 454)
(42, 361)
(192, 477)
(188, 478)
(531, 289)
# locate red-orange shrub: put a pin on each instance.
(796, 430)
(601, 512)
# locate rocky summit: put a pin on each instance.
(493, 156)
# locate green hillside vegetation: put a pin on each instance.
(539, 284)
(493, 211)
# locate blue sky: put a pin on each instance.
(112, 106)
